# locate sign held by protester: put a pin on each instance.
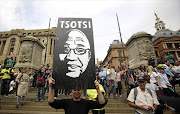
(74, 61)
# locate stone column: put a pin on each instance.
(177, 56)
(173, 46)
(30, 54)
(6, 48)
(48, 46)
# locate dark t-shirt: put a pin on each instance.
(124, 76)
(76, 107)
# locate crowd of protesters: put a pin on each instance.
(120, 82)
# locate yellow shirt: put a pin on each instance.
(6, 76)
(92, 93)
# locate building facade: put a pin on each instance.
(166, 40)
(115, 54)
(140, 49)
(10, 43)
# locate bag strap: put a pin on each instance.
(136, 92)
(20, 77)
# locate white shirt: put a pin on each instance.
(165, 66)
(152, 87)
(176, 69)
(143, 98)
(153, 77)
(163, 80)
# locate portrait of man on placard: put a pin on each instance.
(74, 61)
(76, 53)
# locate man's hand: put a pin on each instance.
(143, 107)
(151, 108)
(96, 83)
(51, 81)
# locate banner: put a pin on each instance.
(74, 61)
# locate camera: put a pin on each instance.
(150, 109)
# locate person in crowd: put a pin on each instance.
(164, 81)
(176, 72)
(154, 77)
(151, 62)
(5, 62)
(41, 87)
(102, 77)
(34, 79)
(150, 85)
(11, 62)
(31, 78)
(169, 57)
(6, 78)
(131, 76)
(76, 105)
(143, 100)
(159, 60)
(93, 95)
(125, 80)
(110, 82)
(167, 68)
(142, 70)
(23, 83)
(15, 75)
(118, 80)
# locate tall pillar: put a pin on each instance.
(48, 46)
(6, 48)
(177, 56)
(173, 45)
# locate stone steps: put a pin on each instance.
(8, 105)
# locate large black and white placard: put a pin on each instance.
(74, 61)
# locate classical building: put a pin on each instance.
(115, 54)
(140, 49)
(166, 40)
(10, 43)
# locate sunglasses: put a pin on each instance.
(147, 76)
(141, 81)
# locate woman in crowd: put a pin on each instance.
(164, 81)
(23, 84)
(110, 82)
(154, 77)
(118, 80)
(142, 70)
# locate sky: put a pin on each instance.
(134, 16)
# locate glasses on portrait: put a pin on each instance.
(78, 51)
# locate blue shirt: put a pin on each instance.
(101, 74)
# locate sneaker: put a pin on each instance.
(42, 100)
(17, 106)
(22, 104)
(6, 96)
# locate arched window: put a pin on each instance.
(13, 40)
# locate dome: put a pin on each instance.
(116, 42)
(139, 34)
(165, 33)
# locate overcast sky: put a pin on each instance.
(134, 16)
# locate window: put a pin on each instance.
(13, 40)
(120, 55)
(34, 33)
(39, 32)
(177, 45)
(169, 45)
(1, 34)
(29, 33)
(43, 41)
(6, 34)
(24, 33)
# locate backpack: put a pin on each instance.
(40, 82)
(136, 92)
